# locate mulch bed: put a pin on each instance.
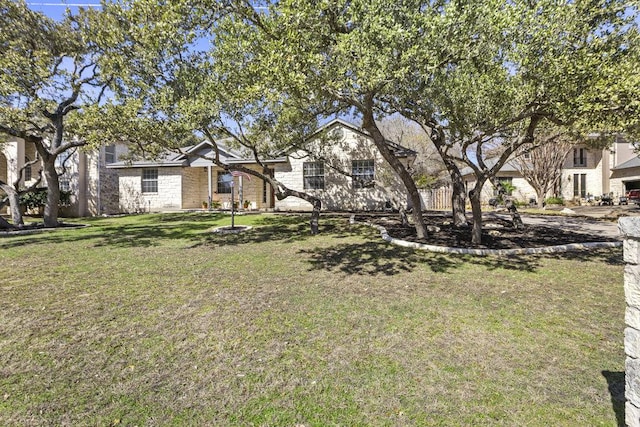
(497, 233)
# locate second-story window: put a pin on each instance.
(579, 157)
(110, 154)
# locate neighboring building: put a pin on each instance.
(510, 174)
(586, 173)
(93, 187)
(189, 180)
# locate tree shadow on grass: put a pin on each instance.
(372, 258)
(268, 230)
(139, 231)
(610, 256)
(376, 257)
(615, 381)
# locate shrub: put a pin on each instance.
(554, 201)
(38, 198)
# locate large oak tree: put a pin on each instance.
(48, 73)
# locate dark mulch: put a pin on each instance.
(497, 233)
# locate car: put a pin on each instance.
(633, 196)
(623, 201)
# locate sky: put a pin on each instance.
(55, 8)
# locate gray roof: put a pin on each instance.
(198, 155)
(632, 163)
(507, 167)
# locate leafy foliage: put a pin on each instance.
(38, 198)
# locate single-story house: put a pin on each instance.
(348, 173)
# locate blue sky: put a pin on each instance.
(56, 8)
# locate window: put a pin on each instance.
(579, 157)
(65, 183)
(150, 180)
(313, 175)
(363, 172)
(110, 154)
(580, 185)
(28, 172)
(224, 183)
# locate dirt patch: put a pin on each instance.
(497, 233)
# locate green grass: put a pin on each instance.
(154, 320)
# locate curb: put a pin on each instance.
(486, 252)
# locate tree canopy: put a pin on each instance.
(49, 71)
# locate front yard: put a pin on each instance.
(154, 320)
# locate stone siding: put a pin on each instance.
(339, 192)
(630, 228)
(194, 187)
(168, 197)
(593, 171)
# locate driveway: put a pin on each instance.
(591, 219)
(576, 225)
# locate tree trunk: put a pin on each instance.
(458, 198)
(315, 216)
(284, 192)
(51, 208)
(14, 205)
(402, 172)
(540, 195)
(458, 195)
(4, 225)
(476, 209)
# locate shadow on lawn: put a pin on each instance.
(284, 230)
(136, 231)
(615, 381)
(377, 257)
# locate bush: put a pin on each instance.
(554, 201)
(38, 198)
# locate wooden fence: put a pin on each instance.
(438, 199)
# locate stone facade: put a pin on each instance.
(630, 228)
(167, 198)
(593, 168)
(339, 192)
(93, 187)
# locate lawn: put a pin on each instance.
(154, 320)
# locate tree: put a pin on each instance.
(170, 92)
(337, 58)
(530, 62)
(428, 169)
(541, 164)
(49, 71)
(13, 192)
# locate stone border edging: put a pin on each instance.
(20, 232)
(226, 229)
(484, 252)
